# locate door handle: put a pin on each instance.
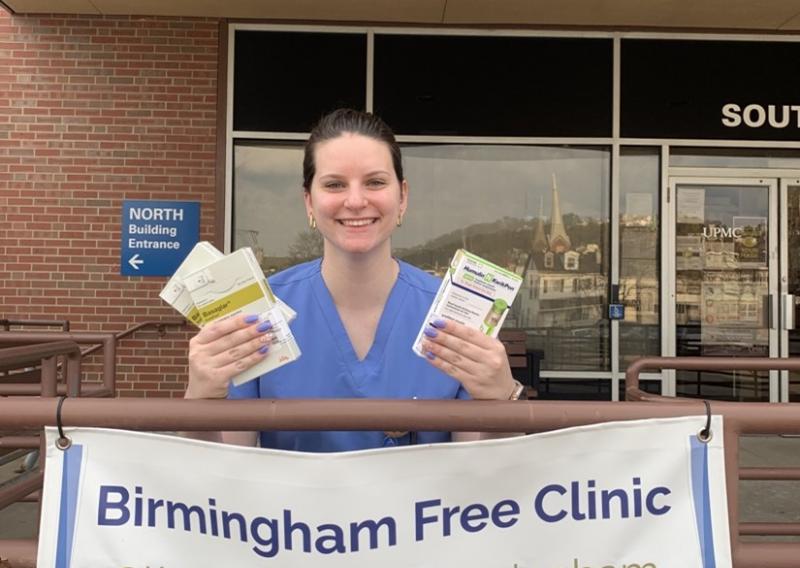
(788, 303)
(769, 308)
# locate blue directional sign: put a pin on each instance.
(616, 311)
(157, 236)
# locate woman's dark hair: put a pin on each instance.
(342, 120)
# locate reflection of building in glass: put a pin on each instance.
(638, 281)
(563, 280)
(721, 298)
(559, 240)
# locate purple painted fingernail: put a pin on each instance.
(439, 322)
(266, 326)
(252, 318)
(430, 332)
(430, 355)
(263, 349)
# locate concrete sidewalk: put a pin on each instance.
(19, 520)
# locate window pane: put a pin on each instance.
(575, 389)
(639, 333)
(734, 157)
(285, 81)
(494, 86)
(540, 211)
(268, 211)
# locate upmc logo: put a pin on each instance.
(715, 232)
(756, 116)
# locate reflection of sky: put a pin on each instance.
(269, 196)
(450, 187)
(457, 186)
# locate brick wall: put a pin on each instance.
(94, 110)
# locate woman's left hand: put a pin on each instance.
(476, 360)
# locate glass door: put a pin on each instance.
(725, 268)
(790, 285)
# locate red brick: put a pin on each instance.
(95, 110)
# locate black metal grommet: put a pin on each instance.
(706, 434)
(62, 443)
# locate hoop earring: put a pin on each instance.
(312, 223)
(399, 220)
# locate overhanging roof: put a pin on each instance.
(750, 15)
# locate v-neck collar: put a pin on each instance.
(362, 369)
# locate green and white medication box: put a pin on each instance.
(474, 292)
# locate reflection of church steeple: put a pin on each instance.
(559, 240)
(539, 242)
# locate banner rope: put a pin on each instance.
(706, 434)
(62, 443)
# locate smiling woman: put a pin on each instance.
(359, 309)
(356, 197)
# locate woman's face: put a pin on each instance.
(355, 195)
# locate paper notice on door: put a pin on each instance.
(688, 253)
(750, 240)
(691, 205)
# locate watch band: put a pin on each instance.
(519, 389)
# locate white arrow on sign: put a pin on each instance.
(135, 261)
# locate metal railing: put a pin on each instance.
(497, 416)
(6, 323)
(107, 341)
(46, 354)
(733, 430)
(31, 375)
(43, 357)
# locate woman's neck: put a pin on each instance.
(359, 281)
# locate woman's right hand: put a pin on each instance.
(222, 350)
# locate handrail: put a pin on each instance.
(160, 326)
(6, 323)
(20, 487)
(107, 340)
(19, 442)
(19, 356)
(171, 414)
(359, 414)
(633, 392)
(46, 353)
(102, 340)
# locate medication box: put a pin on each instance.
(210, 286)
(175, 292)
(474, 292)
(235, 285)
(203, 254)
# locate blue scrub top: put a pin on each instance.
(329, 367)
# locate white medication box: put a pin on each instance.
(210, 286)
(233, 285)
(203, 254)
(175, 292)
(474, 292)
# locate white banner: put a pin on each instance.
(638, 494)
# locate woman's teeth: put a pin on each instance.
(356, 222)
